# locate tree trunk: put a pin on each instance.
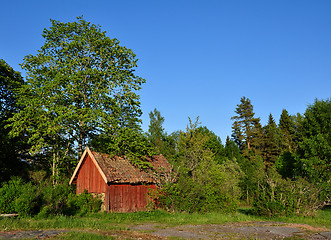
(53, 169)
(80, 139)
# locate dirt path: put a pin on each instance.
(251, 230)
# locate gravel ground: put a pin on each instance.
(37, 234)
(255, 230)
(252, 230)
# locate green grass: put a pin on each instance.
(322, 219)
(83, 235)
(121, 221)
(78, 236)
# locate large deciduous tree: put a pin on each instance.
(81, 83)
(156, 132)
(201, 183)
(315, 159)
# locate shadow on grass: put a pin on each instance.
(246, 211)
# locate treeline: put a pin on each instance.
(81, 90)
(279, 169)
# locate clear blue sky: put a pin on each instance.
(199, 57)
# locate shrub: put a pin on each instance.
(55, 200)
(19, 197)
(9, 192)
(214, 187)
(282, 197)
(28, 202)
(85, 202)
(28, 199)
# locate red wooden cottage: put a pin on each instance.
(122, 186)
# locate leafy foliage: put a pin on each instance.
(254, 172)
(214, 143)
(155, 133)
(201, 184)
(80, 83)
(280, 197)
(161, 142)
(127, 141)
(44, 200)
(17, 196)
(316, 145)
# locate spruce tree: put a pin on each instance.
(271, 148)
(287, 132)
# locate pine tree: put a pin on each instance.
(246, 129)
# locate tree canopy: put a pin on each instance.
(80, 84)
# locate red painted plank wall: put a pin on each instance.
(127, 198)
(89, 178)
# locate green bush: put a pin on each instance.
(214, 187)
(28, 203)
(9, 192)
(55, 200)
(28, 199)
(19, 197)
(85, 202)
(282, 197)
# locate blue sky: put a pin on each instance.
(199, 57)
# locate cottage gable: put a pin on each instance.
(124, 187)
(120, 169)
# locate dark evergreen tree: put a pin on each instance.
(271, 148)
(286, 165)
(248, 135)
(246, 129)
(287, 132)
(12, 150)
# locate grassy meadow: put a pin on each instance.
(122, 221)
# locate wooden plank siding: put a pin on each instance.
(89, 178)
(127, 197)
(122, 186)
